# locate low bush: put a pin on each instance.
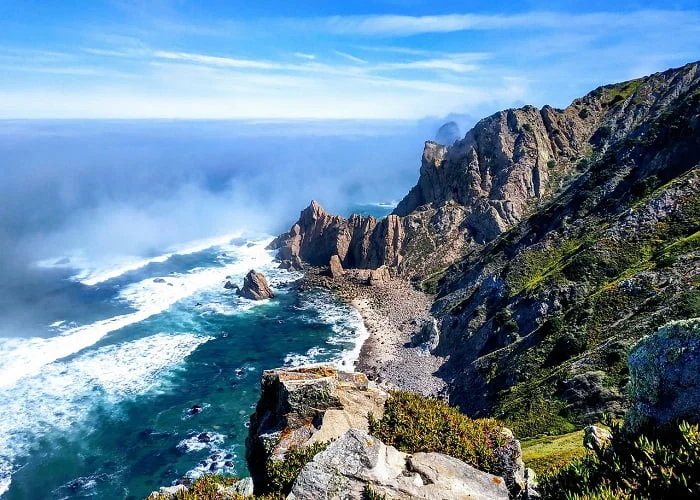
(654, 463)
(412, 424)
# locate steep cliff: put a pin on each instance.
(554, 239)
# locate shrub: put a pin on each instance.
(412, 424)
(654, 463)
(280, 474)
(583, 113)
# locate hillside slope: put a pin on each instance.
(553, 240)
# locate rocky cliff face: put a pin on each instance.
(554, 240)
(497, 175)
(537, 323)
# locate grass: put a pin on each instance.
(548, 454)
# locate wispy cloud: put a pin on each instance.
(216, 60)
(350, 57)
(303, 55)
(396, 25)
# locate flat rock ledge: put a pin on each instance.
(357, 462)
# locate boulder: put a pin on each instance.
(335, 267)
(428, 336)
(358, 461)
(596, 438)
(664, 368)
(305, 405)
(230, 286)
(243, 488)
(255, 287)
(379, 276)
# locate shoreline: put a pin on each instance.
(392, 312)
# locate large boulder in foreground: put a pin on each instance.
(358, 461)
(664, 383)
(305, 405)
(255, 287)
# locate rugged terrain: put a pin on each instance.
(552, 241)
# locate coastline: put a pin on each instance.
(392, 313)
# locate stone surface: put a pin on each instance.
(664, 367)
(335, 267)
(428, 337)
(596, 438)
(357, 460)
(301, 406)
(255, 287)
(243, 488)
(379, 276)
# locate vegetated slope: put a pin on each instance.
(537, 321)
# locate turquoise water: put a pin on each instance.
(100, 405)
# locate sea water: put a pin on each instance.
(101, 405)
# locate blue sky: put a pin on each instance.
(390, 59)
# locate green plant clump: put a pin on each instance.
(210, 487)
(280, 474)
(658, 463)
(412, 424)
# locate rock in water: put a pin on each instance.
(230, 286)
(358, 460)
(664, 371)
(255, 287)
(336, 268)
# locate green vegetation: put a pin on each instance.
(583, 114)
(412, 424)
(280, 474)
(622, 91)
(209, 487)
(370, 494)
(548, 454)
(656, 463)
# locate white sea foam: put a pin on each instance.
(25, 357)
(63, 393)
(348, 330)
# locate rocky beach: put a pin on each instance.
(394, 313)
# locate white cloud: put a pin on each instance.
(215, 60)
(303, 55)
(397, 25)
(350, 57)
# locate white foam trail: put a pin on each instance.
(348, 328)
(25, 357)
(92, 273)
(57, 398)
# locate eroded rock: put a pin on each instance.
(301, 406)
(255, 287)
(358, 460)
(664, 369)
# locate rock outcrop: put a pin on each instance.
(335, 267)
(664, 370)
(301, 406)
(255, 287)
(553, 239)
(357, 461)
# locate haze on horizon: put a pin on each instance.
(233, 115)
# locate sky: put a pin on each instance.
(387, 59)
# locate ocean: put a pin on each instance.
(96, 394)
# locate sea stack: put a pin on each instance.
(255, 287)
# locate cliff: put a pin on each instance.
(552, 239)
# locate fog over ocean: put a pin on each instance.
(116, 238)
